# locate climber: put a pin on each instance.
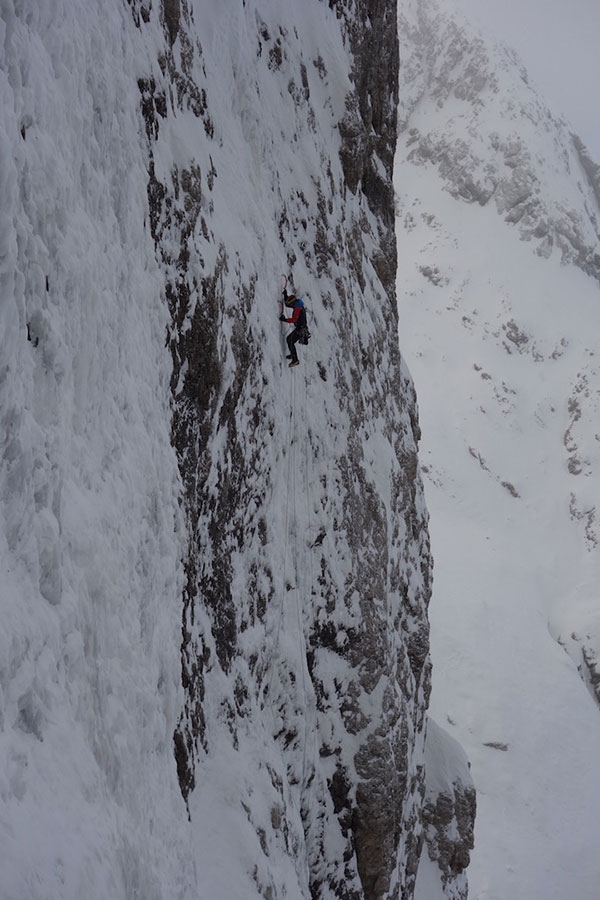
(298, 319)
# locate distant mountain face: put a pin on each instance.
(492, 144)
(499, 301)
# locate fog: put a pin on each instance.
(557, 41)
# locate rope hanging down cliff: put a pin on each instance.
(290, 466)
(296, 543)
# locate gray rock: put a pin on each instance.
(449, 809)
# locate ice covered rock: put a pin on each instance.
(449, 810)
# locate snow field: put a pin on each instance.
(508, 554)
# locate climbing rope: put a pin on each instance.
(301, 601)
(308, 592)
(290, 454)
(296, 541)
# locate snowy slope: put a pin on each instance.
(214, 661)
(500, 334)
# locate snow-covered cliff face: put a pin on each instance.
(308, 565)
(214, 665)
(91, 533)
(499, 313)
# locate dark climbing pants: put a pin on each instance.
(291, 339)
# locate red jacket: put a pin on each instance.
(297, 313)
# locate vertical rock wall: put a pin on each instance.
(271, 134)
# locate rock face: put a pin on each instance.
(308, 569)
(449, 810)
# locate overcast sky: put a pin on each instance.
(559, 43)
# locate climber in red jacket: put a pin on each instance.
(298, 319)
